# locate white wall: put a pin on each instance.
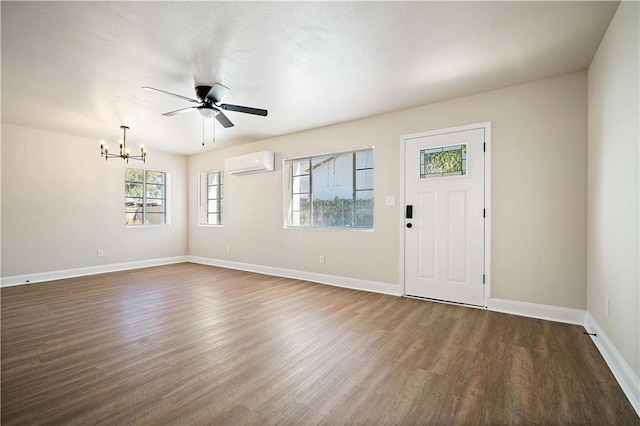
(539, 194)
(613, 184)
(61, 202)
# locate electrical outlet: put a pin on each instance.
(607, 307)
(228, 249)
(100, 253)
(322, 260)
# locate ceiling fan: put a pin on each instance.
(209, 98)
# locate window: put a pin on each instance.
(443, 161)
(145, 197)
(330, 191)
(211, 194)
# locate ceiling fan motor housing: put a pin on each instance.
(202, 92)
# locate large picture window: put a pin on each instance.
(211, 195)
(330, 191)
(145, 197)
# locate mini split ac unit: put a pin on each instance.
(251, 163)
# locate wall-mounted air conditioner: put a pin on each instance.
(251, 163)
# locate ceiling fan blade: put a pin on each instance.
(180, 111)
(222, 119)
(217, 92)
(246, 110)
(172, 94)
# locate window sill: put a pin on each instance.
(327, 228)
(166, 225)
(206, 225)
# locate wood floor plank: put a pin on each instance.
(193, 344)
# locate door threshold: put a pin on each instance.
(447, 302)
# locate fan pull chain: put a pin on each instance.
(202, 131)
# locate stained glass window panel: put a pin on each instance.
(443, 161)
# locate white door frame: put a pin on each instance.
(487, 198)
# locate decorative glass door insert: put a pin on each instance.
(443, 161)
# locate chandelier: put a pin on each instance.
(124, 150)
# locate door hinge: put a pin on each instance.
(483, 278)
(484, 147)
(484, 212)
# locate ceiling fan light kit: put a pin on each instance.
(207, 112)
(209, 106)
(124, 153)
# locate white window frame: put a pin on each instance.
(203, 199)
(288, 192)
(166, 199)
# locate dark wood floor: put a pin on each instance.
(192, 344)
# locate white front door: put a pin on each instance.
(444, 216)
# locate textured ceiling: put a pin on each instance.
(78, 67)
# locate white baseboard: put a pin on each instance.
(90, 270)
(626, 377)
(534, 310)
(345, 282)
